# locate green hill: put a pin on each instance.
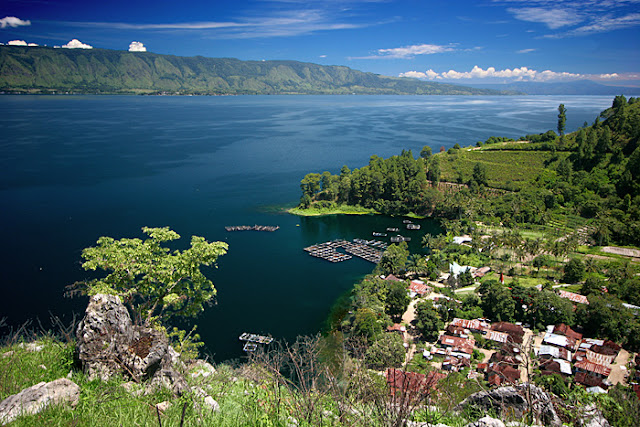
(47, 70)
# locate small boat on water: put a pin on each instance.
(407, 221)
(392, 229)
(375, 233)
(413, 226)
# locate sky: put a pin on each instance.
(457, 41)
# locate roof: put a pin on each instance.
(580, 299)
(400, 380)
(595, 368)
(554, 352)
(497, 336)
(481, 271)
(396, 327)
(589, 380)
(458, 240)
(419, 287)
(499, 374)
(457, 269)
(599, 358)
(474, 324)
(559, 340)
(393, 278)
(565, 330)
(463, 345)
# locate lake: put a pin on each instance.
(75, 168)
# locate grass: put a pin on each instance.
(338, 210)
(505, 169)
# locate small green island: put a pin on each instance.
(525, 310)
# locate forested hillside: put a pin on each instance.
(47, 70)
(592, 174)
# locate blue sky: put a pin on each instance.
(460, 41)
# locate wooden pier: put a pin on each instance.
(252, 227)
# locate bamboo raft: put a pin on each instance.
(252, 227)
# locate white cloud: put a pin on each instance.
(477, 73)
(137, 47)
(17, 43)
(526, 50)
(76, 44)
(323, 56)
(32, 44)
(609, 76)
(12, 21)
(602, 24)
(408, 52)
(552, 18)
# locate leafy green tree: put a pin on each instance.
(480, 174)
(310, 184)
(562, 119)
(394, 259)
(428, 321)
(153, 281)
(425, 153)
(387, 352)
(496, 301)
(397, 299)
(573, 271)
(366, 324)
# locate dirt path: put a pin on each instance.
(619, 370)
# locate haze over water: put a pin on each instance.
(74, 168)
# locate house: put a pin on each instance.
(498, 374)
(565, 330)
(560, 341)
(552, 352)
(457, 344)
(392, 278)
(456, 269)
(592, 369)
(401, 382)
(474, 325)
(555, 366)
(505, 359)
(455, 364)
(397, 327)
(515, 331)
(500, 337)
(458, 240)
(457, 331)
(418, 287)
(590, 380)
(481, 272)
(573, 297)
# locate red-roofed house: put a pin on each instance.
(418, 287)
(515, 331)
(573, 297)
(396, 327)
(474, 325)
(400, 381)
(592, 368)
(457, 344)
(565, 330)
(500, 374)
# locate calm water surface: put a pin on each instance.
(76, 168)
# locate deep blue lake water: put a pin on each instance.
(73, 168)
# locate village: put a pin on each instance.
(503, 353)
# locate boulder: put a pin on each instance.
(36, 398)
(108, 343)
(590, 416)
(513, 400)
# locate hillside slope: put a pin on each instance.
(46, 70)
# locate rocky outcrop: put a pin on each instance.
(590, 416)
(515, 401)
(109, 343)
(35, 399)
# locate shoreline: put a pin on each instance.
(345, 210)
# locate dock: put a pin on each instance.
(252, 227)
(252, 341)
(369, 250)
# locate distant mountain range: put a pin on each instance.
(579, 87)
(50, 70)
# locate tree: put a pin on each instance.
(480, 174)
(397, 299)
(387, 352)
(366, 324)
(154, 282)
(394, 259)
(573, 271)
(426, 152)
(428, 321)
(562, 119)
